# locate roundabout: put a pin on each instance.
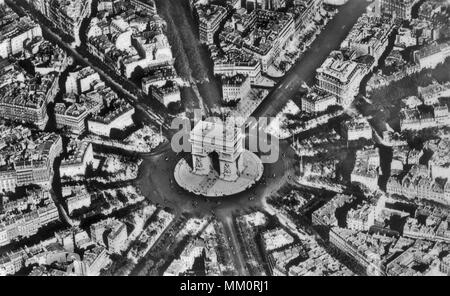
(211, 185)
(156, 181)
(221, 166)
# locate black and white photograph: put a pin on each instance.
(224, 143)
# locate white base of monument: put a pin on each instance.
(212, 186)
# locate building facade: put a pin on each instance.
(340, 78)
(235, 88)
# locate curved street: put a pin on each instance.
(156, 170)
(156, 179)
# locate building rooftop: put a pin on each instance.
(11, 25)
(276, 238)
(209, 13)
(342, 70)
(120, 109)
(31, 93)
(76, 151)
(235, 80)
(358, 123)
(71, 8)
(432, 49)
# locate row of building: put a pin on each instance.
(422, 174)
(367, 168)
(130, 39)
(68, 252)
(73, 249)
(91, 106)
(419, 182)
(24, 217)
(31, 164)
(421, 117)
(261, 33)
(25, 97)
(65, 15)
(15, 32)
(431, 94)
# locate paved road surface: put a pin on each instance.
(55, 38)
(304, 71)
(238, 257)
(156, 174)
(193, 61)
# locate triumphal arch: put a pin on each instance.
(221, 166)
(217, 146)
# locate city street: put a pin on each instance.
(112, 79)
(156, 179)
(158, 171)
(201, 140)
(157, 183)
(193, 61)
(304, 70)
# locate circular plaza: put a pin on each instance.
(212, 185)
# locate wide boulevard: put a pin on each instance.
(156, 173)
(304, 70)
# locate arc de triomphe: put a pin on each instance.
(224, 139)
